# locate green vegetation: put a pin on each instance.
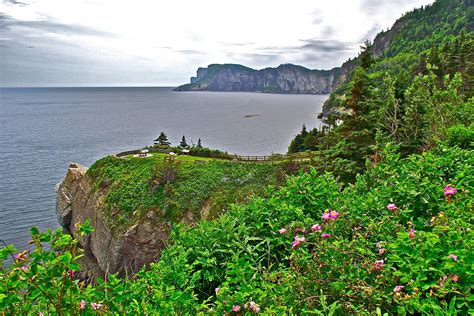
(399, 241)
(380, 224)
(410, 96)
(175, 188)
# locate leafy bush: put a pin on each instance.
(461, 136)
(399, 240)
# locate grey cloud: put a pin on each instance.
(48, 26)
(318, 17)
(261, 59)
(371, 33)
(189, 52)
(313, 44)
(320, 45)
(15, 2)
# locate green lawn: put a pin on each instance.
(178, 158)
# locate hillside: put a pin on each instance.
(134, 203)
(401, 50)
(376, 220)
(409, 91)
(286, 78)
(399, 240)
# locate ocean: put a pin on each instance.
(43, 130)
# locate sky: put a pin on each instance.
(162, 43)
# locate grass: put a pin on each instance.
(176, 190)
(161, 156)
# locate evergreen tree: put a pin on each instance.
(199, 145)
(183, 143)
(162, 140)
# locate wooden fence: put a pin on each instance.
(275, 157)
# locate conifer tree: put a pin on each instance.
(183, 143)
(162, 140)
(199, 145)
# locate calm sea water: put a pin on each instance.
(43, 130)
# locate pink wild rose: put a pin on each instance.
(254, 307)
(323, 236)
(282, 231)
(381, 251)
(454, 257)
(392, 207)
(96, 306)
(412, 233)
(326, 216)
(398, 288)
(236, 308)
(82, 305)
(454, 278)
(315, 227)
(378, 264)
(333, 214)
(298, 241)
(449, 190)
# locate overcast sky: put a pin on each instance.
(161, 43)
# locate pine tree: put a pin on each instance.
(199, 145)
(162, 140)
(183, 143)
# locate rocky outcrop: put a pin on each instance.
(107, 249)
(288, 78)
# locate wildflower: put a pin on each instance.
(24, 268)
(22, 256)
(454, 257)
(40, 314)
(71, 274)
(381, 251)
(392, 207)
(325, 216)
(323, 236)
(454, 278)
(217, 290)
(235, 308)
(282, 231)
(315, 227)
(333, 214)
(96, 306)
(300, 229)
(254, 307)
(398, 288)
(379, 244)
(82, 305)
(378, 264)
(441, 281)
(298, 241)
(449, 190)
(412, 233)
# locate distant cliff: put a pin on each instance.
(285, 78)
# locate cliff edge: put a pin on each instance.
(106, 250)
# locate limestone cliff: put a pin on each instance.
(106, 250)
(288, 78)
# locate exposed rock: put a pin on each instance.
(286, 78)
(106, 250)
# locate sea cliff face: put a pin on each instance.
(105, 250)
(288, 78)
(133, 204)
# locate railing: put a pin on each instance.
(248, 158)
(251, 158)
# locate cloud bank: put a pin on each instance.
(141, 42)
